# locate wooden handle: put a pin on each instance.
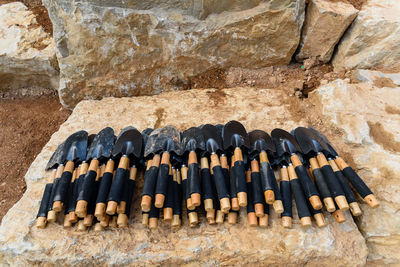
(295, 160)
(263, 221)
(263, 157)
(124, 162)
(238, 154)
(320, 220)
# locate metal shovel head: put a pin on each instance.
(212, 138)
(260, 141)
(309, 142)
(56, 158)
(234, 135)
(163, 139)
(284, 142)
(129, 142)
(145, 135)
(332, 151)
(193, 140)
(75, 147)
(102, 145)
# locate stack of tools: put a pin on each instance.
(211, 170)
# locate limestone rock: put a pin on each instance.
(378, 78)
(129, 48)
(373, 38)
(369, 119)
(22, 244)
(325, 23)
(27, 52)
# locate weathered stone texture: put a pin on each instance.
(27, 52)
(129, 48)
(373, 40)
(324, 25)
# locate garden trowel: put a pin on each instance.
(261, 145)
(286, 146)
(46, 203)
(165, 140)
(213, 146)
(311, 144)
(289, 143)
(99, 152)
(236, 139)
(351, 175)
(127, 148)
(74, 152)
(192, 144)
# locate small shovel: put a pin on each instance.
(261, 144)
(350, 174)
(236, 138)
(54, 162)
(308, 187)
(150, 176)
(165, 140)
(286, 146)
(213, 146)
(74, 151)
(311, 145)
(193, 143)
(127, 148)
(99, 152)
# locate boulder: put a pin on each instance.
(373, 39)
(27, 52)
(324, 25)
(23, 244)
(367, 119)
(130, 48)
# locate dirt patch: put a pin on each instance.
(217, 97)
(296, 77)
(37, 8)
(26, 126)
(159, 113)
(392, 110)
(214, 78)
(382, 137)
(384, 82)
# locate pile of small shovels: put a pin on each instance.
(211, 170)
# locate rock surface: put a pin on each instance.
(22, 244)
(368, 120)
(129, 48)
(324, 25)
(27, 52)
(373, 38)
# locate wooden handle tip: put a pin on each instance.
(286, 221)
(278, 206)
(269, 196)
(41, 222)
(146, 203)
(372, 201)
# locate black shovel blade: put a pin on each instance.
(309, 142)
(234, 135)
(213, 138)
(56, 158)
(285, 143)
(102, 145)
(193, 140)
(129, 142)
(163, 139)
(75, 147)
(332, 151)
(145, 135)
(260, 141)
